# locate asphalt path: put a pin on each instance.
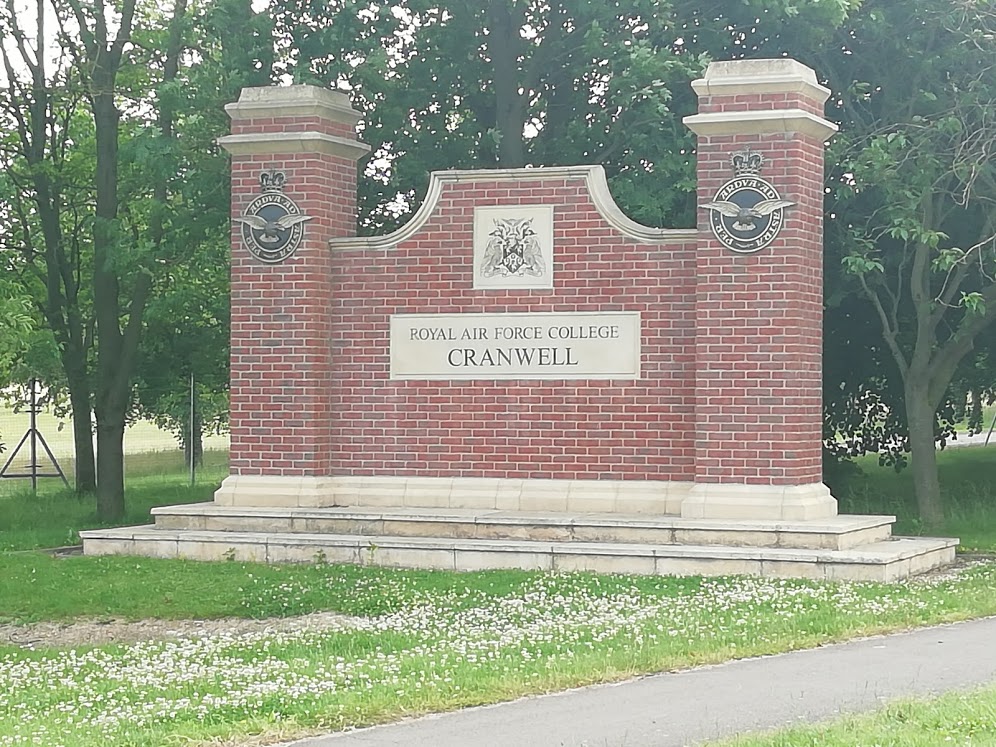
(683, 708)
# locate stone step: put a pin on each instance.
(837, 533)
(888, 560)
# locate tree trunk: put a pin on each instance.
(112, 374)
(503, 47)
(110, 466)
(115, 350)
(62, 310)
(923, 459)
(79, 400)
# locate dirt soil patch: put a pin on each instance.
(102, 632)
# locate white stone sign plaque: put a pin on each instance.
(596, 345)
(513, 246)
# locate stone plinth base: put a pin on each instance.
(844, 547)
(685, 499)
(588, 496)
(759, 502)
(837, 533)
(276, 491)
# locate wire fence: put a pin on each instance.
(38, 443)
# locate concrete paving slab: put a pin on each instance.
(686, 708)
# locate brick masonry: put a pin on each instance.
(521, 429)
(759, 325)
(281, 360)
(731, 369)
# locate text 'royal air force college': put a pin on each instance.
(516, 346)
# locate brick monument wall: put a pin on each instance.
(759, 315)
(342, 395)
(281, 363)
(587, 429)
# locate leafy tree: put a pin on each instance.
(116, 142)
(122, 274)
(187, 336)
(508, 83)
(917, 198)
(187, 325)
(45, 149)
(16, 323)
(502, 83)
(186, 331)
(16, 326)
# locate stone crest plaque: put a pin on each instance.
(513, 246)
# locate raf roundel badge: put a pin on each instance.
(272, 226)
(747, 213)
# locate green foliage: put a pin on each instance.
(909, 235)
(17, 327)
(17, 324)
(968, 485)
(506, 83)
(159, 243)
(429, 640)
(54, 516)
(436, 640)
(187, 335)
(974, 303)
(861, 264)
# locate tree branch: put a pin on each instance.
(888, 330)
(920, 291)
(949, 355)
(91, 41)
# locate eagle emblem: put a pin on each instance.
(272, 226)
(271, 231)
(747, 212)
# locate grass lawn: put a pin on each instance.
(424, 641)
(55, 515)
(414, 641)
(955, 719)
(968, 487)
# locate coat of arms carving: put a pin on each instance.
(513, 249)
(513, 246)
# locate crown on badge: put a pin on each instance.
(272, 181)
(746, 162)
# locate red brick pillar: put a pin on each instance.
(759, 297)
(294, 153)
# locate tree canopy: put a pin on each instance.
(115, 188)
(114, 197)
(913, 202)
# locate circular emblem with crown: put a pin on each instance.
(747, 212)
(272, 225)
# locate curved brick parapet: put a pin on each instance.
(531, 427)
